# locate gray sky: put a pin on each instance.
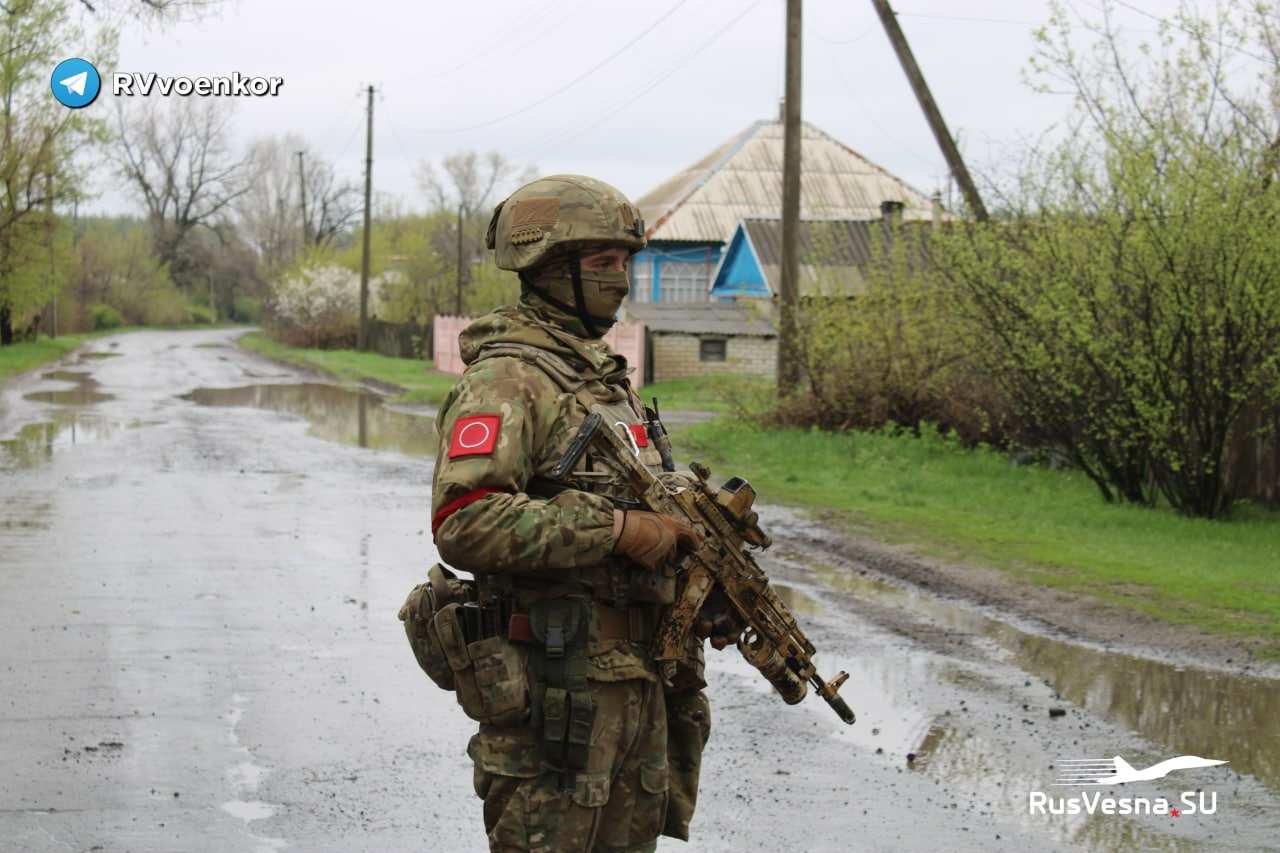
(483, 75)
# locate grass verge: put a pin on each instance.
(709, 393)
(1041, 526)
(21, 357)
(421, 382)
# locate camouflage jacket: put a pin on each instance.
(528, 387)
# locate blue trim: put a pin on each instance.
(659, 252)
(739, 273)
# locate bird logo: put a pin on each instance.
(1117, 771)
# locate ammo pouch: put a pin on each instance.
(563, 706)
(417, 613)
(491, 674)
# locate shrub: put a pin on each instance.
(105, 317)
(317, 306)
(246, 309)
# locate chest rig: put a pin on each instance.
(615, 580)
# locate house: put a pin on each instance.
(706, 337)
(833, 254)
(692, 216)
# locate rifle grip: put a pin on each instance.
(670, 643)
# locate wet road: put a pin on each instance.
(201, 557)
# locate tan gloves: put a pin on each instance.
(650, 538)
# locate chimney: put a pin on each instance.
(935, 202)
(782, 110)
(891, 212)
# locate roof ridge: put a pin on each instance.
(733, 148)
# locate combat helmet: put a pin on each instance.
(547, 223)
(559, 213)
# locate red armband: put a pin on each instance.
(458, 503)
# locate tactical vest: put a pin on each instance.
(615, 581)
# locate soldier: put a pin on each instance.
(584, 743)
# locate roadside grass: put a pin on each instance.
(713, 392)
(421, 382)
(1041, 526)
(21, 357)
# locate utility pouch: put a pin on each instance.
(491, 674)
(564, 704)
(418, 612)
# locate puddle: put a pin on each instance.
(987, 753)
(85, 355)
(336, 414)
(85, 392)
(36, 443)
(1189, 711)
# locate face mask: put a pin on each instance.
(602, 295)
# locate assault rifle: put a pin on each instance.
(771, 641)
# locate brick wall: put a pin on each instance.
(676, 356)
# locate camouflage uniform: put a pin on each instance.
(591, 748)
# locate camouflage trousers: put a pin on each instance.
(639, 781)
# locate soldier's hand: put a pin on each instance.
(650, 538)
(717, 620)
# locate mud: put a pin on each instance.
(1049, 609)
(199, 648)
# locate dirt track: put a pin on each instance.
(200, 652)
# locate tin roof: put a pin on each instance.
(743, 178)
(701, 318)
(832, 252)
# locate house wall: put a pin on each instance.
(676, 356)
(647, 267)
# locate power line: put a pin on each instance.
(843, 42)
(575, 81)
(870, 114)
(494, 40)
(653, 84)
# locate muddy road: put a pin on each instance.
(201, 558)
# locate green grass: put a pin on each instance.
(1041, 526)
(421, 382)
(710, 393)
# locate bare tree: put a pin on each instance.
(467, 184)
(268, 211)
(333, 205)
(272, 211)
(179, 162)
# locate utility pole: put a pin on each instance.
(788, 361)
(458, 303)
(931, 112)
(302, 191)
(362, 337)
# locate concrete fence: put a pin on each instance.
(626, 339)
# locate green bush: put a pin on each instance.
(199, 314)
(105, 317)
(246, 309)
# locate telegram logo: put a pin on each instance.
(75, 83)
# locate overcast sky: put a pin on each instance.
(672, 79)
